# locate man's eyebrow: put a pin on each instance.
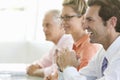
(88, 18)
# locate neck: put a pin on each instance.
(76, 37)
(58, 38)
(110, 40)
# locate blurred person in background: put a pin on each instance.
(54, 32)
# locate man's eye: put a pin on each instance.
(89, 20)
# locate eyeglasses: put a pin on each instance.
(67, 18)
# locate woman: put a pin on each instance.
(73, 21)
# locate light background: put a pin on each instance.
(21, 35)
(21, 20)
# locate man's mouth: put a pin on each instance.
(90, 32)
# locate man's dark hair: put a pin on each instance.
(108, 9)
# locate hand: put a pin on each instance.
(53, 76)
(39, 73)
(66, 58)
(32, 68)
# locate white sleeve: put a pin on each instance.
(60, 75)
(71, 73)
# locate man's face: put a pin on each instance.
(50, 27)
(94, 24)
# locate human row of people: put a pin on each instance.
(92, 52)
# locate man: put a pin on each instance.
(54, 32)
(102, 19)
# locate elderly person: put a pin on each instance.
(54, 32)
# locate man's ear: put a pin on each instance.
(113, 21)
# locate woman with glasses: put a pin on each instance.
(72, 17)
(73, 21)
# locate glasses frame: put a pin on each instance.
(67, 18)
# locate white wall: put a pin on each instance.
(21, 20)
(21, 36)
(23, 52)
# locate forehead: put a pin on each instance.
(67, 10)
(48, 17)
(92, 12)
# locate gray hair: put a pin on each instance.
(56, 15)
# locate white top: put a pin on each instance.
(93, 70)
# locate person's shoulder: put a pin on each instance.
(65, 42)
(67, 36)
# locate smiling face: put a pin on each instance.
(95, 25)
(71, 21)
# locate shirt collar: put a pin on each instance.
(113, 49)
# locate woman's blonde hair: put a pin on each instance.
(79, 6)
